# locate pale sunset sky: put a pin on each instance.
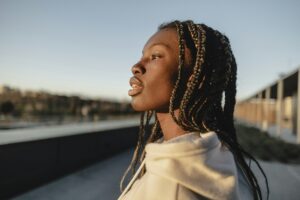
(87, 47)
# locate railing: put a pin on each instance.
(276, 105)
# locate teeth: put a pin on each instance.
(135, 86)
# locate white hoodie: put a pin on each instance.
(188, 167)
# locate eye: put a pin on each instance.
(155, 56)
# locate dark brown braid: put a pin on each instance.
(175, 91)
(199, 99)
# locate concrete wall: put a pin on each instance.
(28, 164)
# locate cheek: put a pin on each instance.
(159, 93)
(155, 96)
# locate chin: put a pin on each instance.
(142, 107)
(138, 109)
(138, 106)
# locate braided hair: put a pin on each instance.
(206, 100)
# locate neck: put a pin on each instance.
(168, 126)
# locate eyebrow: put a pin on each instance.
(159, 44)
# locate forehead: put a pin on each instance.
(166, 37)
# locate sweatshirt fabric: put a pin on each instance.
(192, 166)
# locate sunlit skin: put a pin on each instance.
(157, 70)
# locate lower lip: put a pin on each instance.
(133, 92)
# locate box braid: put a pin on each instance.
(199, 99)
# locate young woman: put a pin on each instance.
(186, 78)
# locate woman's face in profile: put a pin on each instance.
(155, 74)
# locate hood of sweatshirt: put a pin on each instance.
(196, 161)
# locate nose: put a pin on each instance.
(137, 69)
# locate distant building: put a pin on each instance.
(41, 104)
(4, 89)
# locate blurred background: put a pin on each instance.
(65, 116)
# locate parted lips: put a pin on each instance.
(137, 86)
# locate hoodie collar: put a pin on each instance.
(190, 143)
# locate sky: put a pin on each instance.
(87, 47)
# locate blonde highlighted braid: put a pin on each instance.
(198, 96)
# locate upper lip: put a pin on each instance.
(135, 80)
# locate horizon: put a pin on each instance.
(48, 92)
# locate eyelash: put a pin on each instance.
(155, 56)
